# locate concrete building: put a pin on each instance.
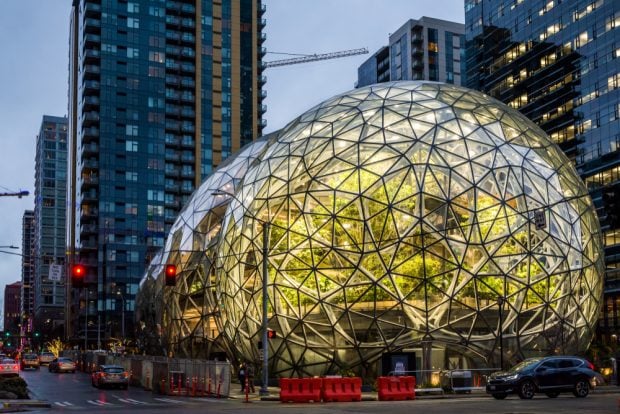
(424, 49)
(160, 94)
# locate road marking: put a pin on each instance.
(63, 404)
(132, 401)
(168, 401)
(98, 402)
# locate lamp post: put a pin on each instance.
(265, 294)
(500, 306)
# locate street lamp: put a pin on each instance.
(500, 307)
(265, 251)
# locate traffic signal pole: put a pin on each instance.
(264, 390)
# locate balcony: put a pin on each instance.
(172, 203)
(91, 86)
(92, 72)
(188, 158)
(89, 182)
(172, 172)
(90, 195)
(89, 244)
(263, 93)
(90, 149)
(262, 9)
(89, 134)
(172, 188)
(90, 164)
(90, 101)
(91, 40)
(263, 123)
(417, 51)
(188, 142)
(188, 174)
(90, 118)
(91, 56)
(92, 9)
(88, 229)
(173, 20)
(92, 26)
(262, 23)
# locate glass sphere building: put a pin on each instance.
(402, 217)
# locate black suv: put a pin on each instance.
(550, 375)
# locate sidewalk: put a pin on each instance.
(274, 394)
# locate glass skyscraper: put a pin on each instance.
(49, 226)
(557, 62)
(161, 92)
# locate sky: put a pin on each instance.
(34, 72)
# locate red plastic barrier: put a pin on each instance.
(342, 389)
(300, 389)
(396, 388)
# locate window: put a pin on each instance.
(156, 57)
(131, 146)
(133, 23)
(131, 130)
(132, 52)
(131, 176)
(133, 7)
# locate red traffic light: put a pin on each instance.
(78, 272)
(271, 333)
(171, 275)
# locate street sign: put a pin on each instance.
(55, 272)
(540, 220)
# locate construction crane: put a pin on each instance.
(18, 194)
(313, 58)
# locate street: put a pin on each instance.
(73, 392)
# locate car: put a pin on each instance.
(110, 375)
(46, 357)
(29, 361)
(9, 367)
(62, 364)
(548, 375)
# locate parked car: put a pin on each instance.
(62, 364)
(111, 375)
(46, 357)
(549, 375)
(9, 367)
(29, 361)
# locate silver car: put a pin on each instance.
(110, 375)
(62, 364)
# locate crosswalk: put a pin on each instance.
(125, 401)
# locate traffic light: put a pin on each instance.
(271, 334)
(36, 334)
(7, 334)
(171, 275)
(78, 272)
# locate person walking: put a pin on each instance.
(250, 374)
(241, 376)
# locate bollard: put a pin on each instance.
(193, 386)
(219, 385)
(209, 389)
(187, 387)
(162, 388)
(172, 385)
(247, 386)
(180, 385)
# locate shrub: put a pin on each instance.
(16, 385)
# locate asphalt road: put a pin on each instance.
(73, 392)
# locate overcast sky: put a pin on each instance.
(33, 75)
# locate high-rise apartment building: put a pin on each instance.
(28, 272)
(424, 49)
(161, 92)
(558, 63)
(50, 191)
(12, 308)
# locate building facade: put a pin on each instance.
(12, 310)
(28, 274)
(160, 94)
(50, 191)
(424, 49)
(558, 64)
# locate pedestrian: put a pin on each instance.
(250, 374)
(241, 376)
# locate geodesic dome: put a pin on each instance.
(405, 213)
